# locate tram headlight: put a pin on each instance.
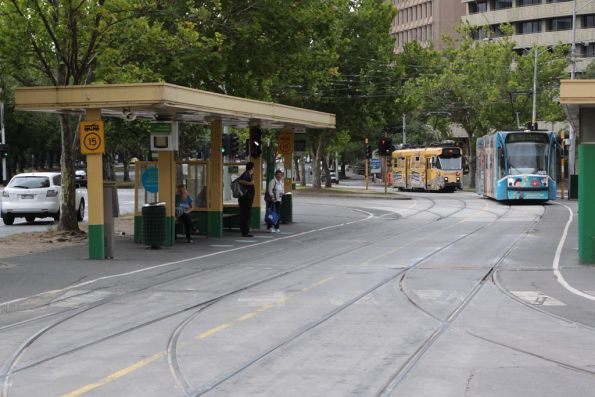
(510, 181)
(545, 181)
(445, 179)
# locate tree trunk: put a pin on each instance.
(472, 163)
(327, 173)
(68, 221)
(296, 167)
(316, 165)
(303, 166)
(126, 164)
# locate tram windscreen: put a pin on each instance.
(527, 153)
(450, 163)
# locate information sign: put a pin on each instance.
(285, 142)
(92, 137)
(375, 166)
(150, 180)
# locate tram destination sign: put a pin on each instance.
(536, 137)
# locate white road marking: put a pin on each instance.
(537, 298)
(556, 263)
(76, 286)
(221, 245)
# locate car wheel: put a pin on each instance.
(8, 219)
(80, 214)
(30, 219)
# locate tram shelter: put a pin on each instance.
(170, 104)
(578, 98)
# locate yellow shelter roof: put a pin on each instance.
(163, 100)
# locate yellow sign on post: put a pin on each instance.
(92, 137)
(285, 142)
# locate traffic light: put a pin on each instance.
(3, 150)
(368, 151)
(234, 145)
(225, 145)
(385, 146)
(255, 142)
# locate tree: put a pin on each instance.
(474, 84)
(58, 42)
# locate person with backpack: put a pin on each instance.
(274, 193)
(246, 199)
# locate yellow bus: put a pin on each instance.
(433, 168)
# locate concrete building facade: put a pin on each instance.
(537, 22)
(425, 21)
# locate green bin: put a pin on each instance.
(286, 208)
(153, 224)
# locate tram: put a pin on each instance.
(517, 165)
(433, 168)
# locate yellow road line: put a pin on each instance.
(213, 331)
(116, 375)
(210, 332)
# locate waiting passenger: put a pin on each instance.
(183, 210)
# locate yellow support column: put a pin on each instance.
(166, 164)
(215, 188)
(287, 206)
(95, 196)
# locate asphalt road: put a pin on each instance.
(442, 295)
(126, 201)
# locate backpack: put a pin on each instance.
(237, 190)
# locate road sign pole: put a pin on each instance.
(385, 174)
(366, 165)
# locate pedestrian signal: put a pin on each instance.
(255, 142)
(368, 151)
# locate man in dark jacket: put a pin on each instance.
(245, 202)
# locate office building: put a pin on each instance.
(537, 22)
(425, 21)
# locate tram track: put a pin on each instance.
(445, 323)
(195, 392)
(9, 366)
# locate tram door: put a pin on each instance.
(428, 167)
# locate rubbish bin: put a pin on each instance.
(153, 224)
(573, 189)
(286, 208)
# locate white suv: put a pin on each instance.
(36, 195)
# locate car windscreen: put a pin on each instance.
(450, 163)
(29, 182)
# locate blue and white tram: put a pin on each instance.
(517, 165)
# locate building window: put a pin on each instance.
(502, 4)
(523, 3)
(478, 6)
(557, 1)
(555, 24)
(528, 27)
(589, 50)
(588, 21)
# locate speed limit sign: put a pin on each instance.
(92, 137)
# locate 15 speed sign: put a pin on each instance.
(92, 137)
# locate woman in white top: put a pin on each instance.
(275, 190)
